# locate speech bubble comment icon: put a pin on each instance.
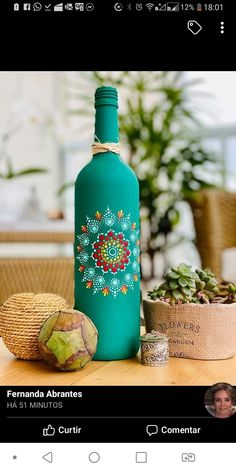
(194, 26)
(151, 429)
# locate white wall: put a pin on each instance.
(217, 106)
(27, 98)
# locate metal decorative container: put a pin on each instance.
(154, 349)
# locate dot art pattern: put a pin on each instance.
(108, 253)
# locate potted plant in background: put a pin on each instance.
(159, 126)
(11, 129)
(197, 313)
(8, 173)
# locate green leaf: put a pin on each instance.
(34, 170)
(206, 278)
(160, 292)
(177, 294)
(185, 273)
(211, 285)
(64, 344)
(193, 275)
(47, 328)
(182, 282)
(191, 283)
(184, 267)
(215, 290)
(232, 288)
(64, 187)
(186, 291)
(172, 275)
(201, 285)
(173, 284)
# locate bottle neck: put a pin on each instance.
(106, 124)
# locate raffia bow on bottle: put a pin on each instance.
(98, 147)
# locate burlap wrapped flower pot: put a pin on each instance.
(195, 331)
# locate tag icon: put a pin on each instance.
(194, 27)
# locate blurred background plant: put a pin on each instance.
(14, 124)
(158, 128)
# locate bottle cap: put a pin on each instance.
(106, 96)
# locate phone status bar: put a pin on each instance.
(169, 7)
(58, 7)
(173, 7)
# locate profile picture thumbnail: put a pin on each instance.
(220, 400)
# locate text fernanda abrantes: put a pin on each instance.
(40, 394)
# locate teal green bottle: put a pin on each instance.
(107, 251)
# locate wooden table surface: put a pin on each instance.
(126, 372)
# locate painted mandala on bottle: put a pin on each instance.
(108, 253)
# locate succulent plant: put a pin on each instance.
(68, 340)
(227, 293)
(208, 286)
(183, 285)
(179, 287)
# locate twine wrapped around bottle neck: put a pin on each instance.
(105, 147)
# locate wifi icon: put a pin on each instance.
(149, 6)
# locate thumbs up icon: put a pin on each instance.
(49, 431)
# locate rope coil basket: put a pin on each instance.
(21, 318)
